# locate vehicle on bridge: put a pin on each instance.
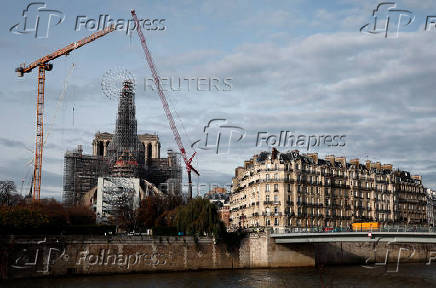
(366, 226)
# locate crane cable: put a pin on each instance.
(60, 101)
(186, 136)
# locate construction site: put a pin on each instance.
(124, 167)
(121, 158)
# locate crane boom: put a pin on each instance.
(43, 66)
(66, 50)
(163, 99)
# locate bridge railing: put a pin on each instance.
(421, 229)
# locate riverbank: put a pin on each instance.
(409, 275)
(31, 257)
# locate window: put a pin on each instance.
(267, 188)
(267, 198)
(276, 221)
(276, 187)
(267, 177)
(276, 198)
(276, 210)
(268, 223)
(276, 176)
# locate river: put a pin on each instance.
(409, 275)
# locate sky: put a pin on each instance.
(304, 67)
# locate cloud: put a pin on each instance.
(312, 80)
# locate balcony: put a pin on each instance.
(289, 213)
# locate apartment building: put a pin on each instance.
(288, 190)
(431, 207)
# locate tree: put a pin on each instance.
(155, 211)
(8, 193)
(197, 217)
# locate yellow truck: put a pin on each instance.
(366, 226)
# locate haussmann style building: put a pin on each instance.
(291, 190)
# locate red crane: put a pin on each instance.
(44, 65)
(173, 127)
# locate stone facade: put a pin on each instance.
(81, 171)
(150, 143)
(25, 257)
(431, 207)
(289, 190)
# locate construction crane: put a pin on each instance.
(44, 65)
(173, 127)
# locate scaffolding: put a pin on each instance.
(124, 151)
(125, 157)
(81, 174)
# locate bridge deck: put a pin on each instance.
(408, 237)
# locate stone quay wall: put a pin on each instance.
(86, 255)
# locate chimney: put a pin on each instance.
(368, 164)
(378, 165)
(331, 158)
(238, 171)
(80, 149)
(314, 156)
(343, 161)
(387, 167)
(248, 163)
(274, 153)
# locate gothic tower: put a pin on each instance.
(124, 151)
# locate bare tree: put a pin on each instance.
(8, 193)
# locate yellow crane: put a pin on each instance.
(44, 65)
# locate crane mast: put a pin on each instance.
(163, 99)
(43, 66)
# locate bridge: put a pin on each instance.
(391, 237)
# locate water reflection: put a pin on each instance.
(410, 275)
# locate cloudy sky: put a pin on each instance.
(297, 66)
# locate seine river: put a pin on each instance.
(409, 275)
